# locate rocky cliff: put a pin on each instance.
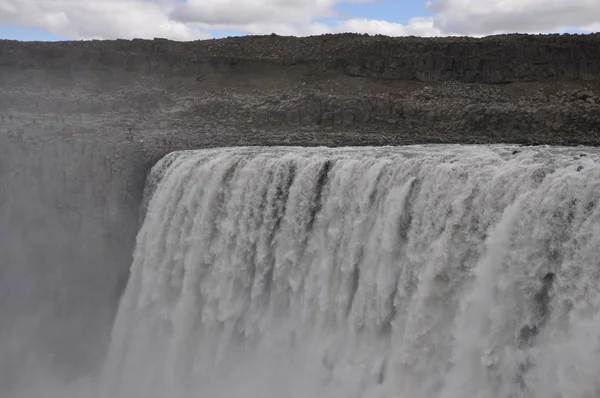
(81, 123)
(333, 89)
(494, 59)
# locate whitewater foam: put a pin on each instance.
(425, 271)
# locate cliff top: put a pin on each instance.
(346, 89)
(298, 48)
(352, 53)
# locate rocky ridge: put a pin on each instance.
(324, 90)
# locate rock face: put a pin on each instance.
(81, 123)
(334, 89)
(495, 59)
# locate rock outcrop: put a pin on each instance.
(333, 89)
(494, 59)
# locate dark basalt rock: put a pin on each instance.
(493, 59)
(344, 89)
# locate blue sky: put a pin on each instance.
(49, 20)
(15, 32)
(394, 11)
(387, 10)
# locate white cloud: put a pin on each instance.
(98, 19)
(237, 12)
(481, 17)
(594, 27)
(415, 27)
(266, 28)
(291, 17)
(174, 19)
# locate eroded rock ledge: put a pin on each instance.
(324, 90)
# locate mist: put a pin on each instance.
(68, 217)
(418, 271)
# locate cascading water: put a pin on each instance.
(427, 271)
(414, 272)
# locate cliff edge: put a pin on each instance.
(344, 89)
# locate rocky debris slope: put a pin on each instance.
(308, 114)
(334, 90)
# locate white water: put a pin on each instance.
(416, 272)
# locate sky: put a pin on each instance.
(48, 20)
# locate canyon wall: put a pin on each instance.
(82, 122)
(333, 89)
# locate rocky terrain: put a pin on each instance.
(82, 122)
(325, 90)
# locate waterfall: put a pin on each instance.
(411, 272)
